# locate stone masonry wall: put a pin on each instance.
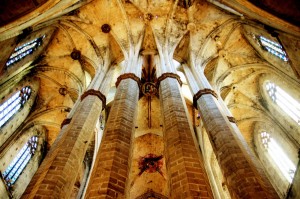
(110, 173)
(242, 176)
(58, 172)
(187, 177)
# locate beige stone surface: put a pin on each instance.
(214, 40)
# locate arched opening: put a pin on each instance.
(287, 103)
(278, 155)
(15, 168)
(24, 50)
(14, 104)
(272, 47)
(21, 160)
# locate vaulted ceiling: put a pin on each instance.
(196, 32)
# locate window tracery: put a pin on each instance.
(285, 165)
(14, 104)
(272, 47)
(22, 51)
(284, 101)
(15, 168)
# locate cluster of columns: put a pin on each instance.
(110, 173)
(186, 174)
(242, 171)
(187, 177)
(57, 174)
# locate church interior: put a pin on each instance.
(150, 99)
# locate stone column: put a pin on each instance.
(57, 174)
(185, 170)
(111, 168)
(243, 174)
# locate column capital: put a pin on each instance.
(95, 93)
(126, 76)
(201, 92)
(168, 75)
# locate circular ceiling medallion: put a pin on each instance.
(149, 16)
(105, 28)
(149, 89)
(76, 54)
(63, 91)
(191, 27)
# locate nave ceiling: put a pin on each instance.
(204, 36)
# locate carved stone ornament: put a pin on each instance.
(63, 91)
(201, 92)
(168, 75)
(151, 163)
(65, 122)
(76, 54)
(231, 119)
(95, 93)
(149, 16)
(105, 28)
(126, 76)
(149, 89)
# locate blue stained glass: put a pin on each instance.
(24, 50)
(13, 104)
(15, 168)
(273, 48)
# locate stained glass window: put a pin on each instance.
(284, 101)
(13, 104)
(22, 51)
(272, 47)
(15, 168)
(285, 165)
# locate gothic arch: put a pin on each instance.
(278, 180)
(10, 152)
(17, 119)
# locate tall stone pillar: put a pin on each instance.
(185, 170)
(243, 174)
(111, 168)
(58, 172)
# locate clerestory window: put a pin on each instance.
(284, 101)
(282, 161)
(22, 51)
(15, 168)
(272, 47)
(13, 104)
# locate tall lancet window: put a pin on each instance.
(15, 168)
(284, 101)
(285, 165)
(272, 47)
(14, 104)
(22, 51)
